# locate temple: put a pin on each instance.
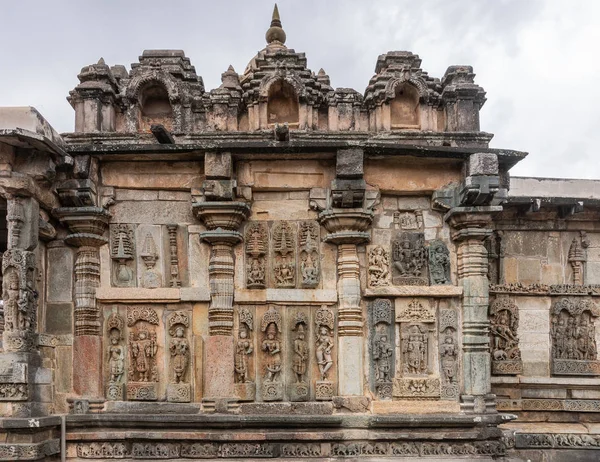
(282, 269)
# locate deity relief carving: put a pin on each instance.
(308, 250)
(299, 388)
(143, 348)
(409, 258)
(577, 258)
(382, 347)
(408, 219)
(439, 263)
(179, 389)
(415, 350)
(324, 323)
(122, 249)
(504, 319)
(149, 254)
(19, 299)
(256, 250)
(115, 327)
(573, 332)
(283, 255)
(271, 347)
(449, 350)
(244, 349)
(379, 267)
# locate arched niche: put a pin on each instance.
(282, 104)
(155, 107)
(404, 108)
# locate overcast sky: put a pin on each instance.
(538, 60)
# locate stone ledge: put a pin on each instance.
(286, 295)
(134, 294)
(561, 381)
(415, 291)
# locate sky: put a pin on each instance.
(537, 59)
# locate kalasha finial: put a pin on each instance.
(275, 32)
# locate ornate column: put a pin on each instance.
(87, 226)
(222, 220)
(347, 229)
(470, 227)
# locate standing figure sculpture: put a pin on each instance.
(243, 349)
(272, 347)
(324, 347)
(143, 351)
(300, 355)
(382, 354)
(116, 362)
(180, 354)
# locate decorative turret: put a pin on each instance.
(463, 99)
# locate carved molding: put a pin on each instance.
(545, 289)
(556, 440)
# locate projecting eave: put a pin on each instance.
(440, 145)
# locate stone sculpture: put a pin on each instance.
(409, 257)
(271, 346)
(308, 245)
(244, 349)
(379, 267)
(324, 320)
(151, 278)
(299, 389)
(504, 319)
(122, 253)
(573, 332)
(174, 259)
(256, 249)
(284, 255)
(179, 389)
(577, 258)
(449, 353)
(439, 263)
(382, 347)
(143, 348)
(116, 357)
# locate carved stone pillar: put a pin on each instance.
(347, 229)
(87, 226)
(470, 227)
(222, 220)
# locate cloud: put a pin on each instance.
(535, 58)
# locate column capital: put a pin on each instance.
(471, 222)
(87, 225)
(346, 226)
(225, 215)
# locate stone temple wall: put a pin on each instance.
(280, 269)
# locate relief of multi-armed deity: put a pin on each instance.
(308, 253)
(382, 350)
(504, 324)
(122, 252)
(378, 273)
(573, 332)
(244, 350)
(283, 255)
(409, 260)
(115, 328)
(439, 263)
(143, 348)
(416, 320)
(256, 251)
(179, 388)
(272, 389)
(299, 388)
(324, 324)
(449, 350)
(287, 257)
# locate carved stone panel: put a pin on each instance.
(439, 263)
(174, 274)
(449, 353)
(271, 348)
(245, 386)
(309, 266)
(115, 329)
(256, 243)
(143, 374)
(13, 381)
(504, 319)
(382, 347)
(299, 383)
(408, 220)
(324, 344)
(577, 258)
(573, 332)
(179, 388)
(283, 254)
(122, 253)
(378, 273)
(409, 260)
(150, 256)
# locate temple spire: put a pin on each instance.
(275, 32)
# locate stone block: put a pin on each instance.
(152, 175)
(529, 270)
(156, 213)
(135, 195)
(510, 270)
(60, 279)
(432, 219)
(540, 303)
(179, 392)
(557, 393)
(534, 321)
(218, 165)
(585, 394)
(483, 163)
(349, 163)
(59, 318)
(553, 274)
(352, 403)
(218, 367)
(592, 274)
(181, 196)
(389, 203)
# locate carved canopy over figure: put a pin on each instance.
(573, 331)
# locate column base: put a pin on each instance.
(478, 404)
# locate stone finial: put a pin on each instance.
(275, 32)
